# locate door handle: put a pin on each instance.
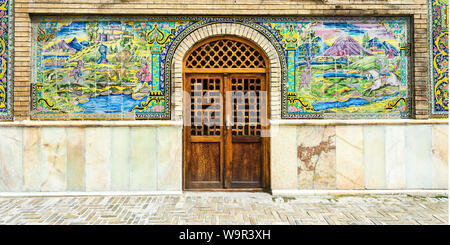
(229, 123)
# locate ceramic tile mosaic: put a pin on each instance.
(438, 41)
(6, 53)
(120, 67)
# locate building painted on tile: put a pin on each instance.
(250, 95)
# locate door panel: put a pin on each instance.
(246, 168)
(204, 133)
(244, 104)
(205, 169)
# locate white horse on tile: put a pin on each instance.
(381, 81)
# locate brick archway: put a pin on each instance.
(232, 29)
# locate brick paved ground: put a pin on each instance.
(225, 208)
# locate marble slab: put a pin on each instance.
(75, 159)
(11, 173)
(395, 157)
(419, 163)
(316, 155)
(98, 159)
(53, 159)
(349, 157)
(144, 153)
(120, 159)
(31, 161)
(440, 156)
(169, 158)
(283, 166)
(374, 157)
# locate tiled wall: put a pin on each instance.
(416, 9)
(360, 157)
(329, 67)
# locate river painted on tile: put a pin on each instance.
(114, 103)
(352, 101)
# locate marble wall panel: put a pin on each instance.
(283, 157)
(121, 151)
(53, 159)
(31, 159)
(374, 157)
(349, 157)
(395, 157)
(75, 159)
(316, 155)
(419, 165)
(143, 173)
(98, 159)
(169, 158)
(440, 156)
(11, 171)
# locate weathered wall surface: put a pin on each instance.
(342, 157)
(39, 159)
(24, 9)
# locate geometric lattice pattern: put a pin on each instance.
(225, 54)
(206, 106)
(246, 106)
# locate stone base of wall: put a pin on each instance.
(148, 157)
(34, 159)
(359, 157)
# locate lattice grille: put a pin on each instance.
(205, 106)
(225, 53)
(246, 106)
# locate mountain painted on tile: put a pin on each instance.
(346, 45)
(75, 44)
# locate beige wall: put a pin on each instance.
(417, 9)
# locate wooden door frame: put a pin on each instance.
(266, 181)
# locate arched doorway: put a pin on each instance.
(225, 133)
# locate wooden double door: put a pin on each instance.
(225, 125)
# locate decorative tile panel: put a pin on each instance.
(120, 67)
(438, 41)
(6, 62)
